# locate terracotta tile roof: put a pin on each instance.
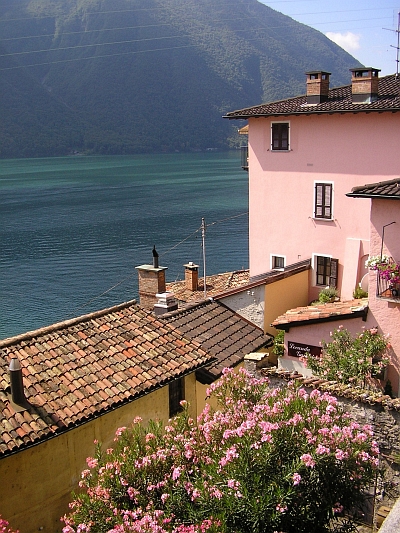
(221, 285)
(328, 312)
(79, 369)
(220, 332)
(383, 189)
(339, 101)
(215, 284)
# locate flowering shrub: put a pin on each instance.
(385, 266)
(269, 460)
(351, 360)
(4, 527)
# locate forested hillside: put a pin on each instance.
(126, 76)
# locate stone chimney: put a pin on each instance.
(317, 86)
(166, 302)
(192, 276)
(364, 85)
(151, 282)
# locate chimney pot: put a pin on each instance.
(317, 86)
(192, 276)
(364, 84)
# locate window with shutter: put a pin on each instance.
(323, 200)
(280, 136)
(176, 395)
(278, 262)
(327, 271)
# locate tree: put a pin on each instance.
(269, 460)
(351, 360)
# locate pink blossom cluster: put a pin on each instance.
(263, 447)
(4, 526)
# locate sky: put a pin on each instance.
(364, 28)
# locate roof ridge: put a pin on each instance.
(29, 335)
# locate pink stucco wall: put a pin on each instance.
(385, 313)
(346, 150)
(313, 335)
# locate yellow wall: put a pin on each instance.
(36, 483)
(282, 295)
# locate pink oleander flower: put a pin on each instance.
(308, 460)
(296, 478)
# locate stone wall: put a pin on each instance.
(365, 407)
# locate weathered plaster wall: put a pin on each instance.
(249, 304)
(36, 483)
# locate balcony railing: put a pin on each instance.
(244, 157)
(387, 288)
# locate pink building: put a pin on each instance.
(383, 293)
(305, 154)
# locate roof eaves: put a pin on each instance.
(51, 433)
(359, 313)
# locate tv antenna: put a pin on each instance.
(398, 44)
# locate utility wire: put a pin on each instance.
(161, 255)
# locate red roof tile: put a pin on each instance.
(94, 369)
(220, 331)
(301, 316)
(339, 101)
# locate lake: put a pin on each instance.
(73, 229)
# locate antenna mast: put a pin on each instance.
(398, 44)
(203, 236)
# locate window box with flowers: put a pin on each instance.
(388, 276)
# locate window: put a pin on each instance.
(176, 395)
(280, 136)
(327, 271)
(278, 262)
(323, 201)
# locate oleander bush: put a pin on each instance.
(269, 460)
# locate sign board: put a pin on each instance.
(295, 349)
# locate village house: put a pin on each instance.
(304, 154)
(306, 326)
(64, 386)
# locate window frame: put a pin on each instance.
(329, 271)
(278, 125)
(176, 393)
(326, 209)
(274, 266)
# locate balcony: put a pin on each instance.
(244, 157)
(388, 281)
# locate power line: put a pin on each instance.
(161, 255)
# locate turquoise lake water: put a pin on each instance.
(71, 228)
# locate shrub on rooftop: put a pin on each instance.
(269, 460)
(349, 359)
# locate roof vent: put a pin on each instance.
(166, 302)
(317, 86)
(155, 257)
(364, 85)
(17, 387)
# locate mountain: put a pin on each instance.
(128, 76)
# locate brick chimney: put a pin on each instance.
(192, 276)
(151, 282)
(364, 85)
(317, 86)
